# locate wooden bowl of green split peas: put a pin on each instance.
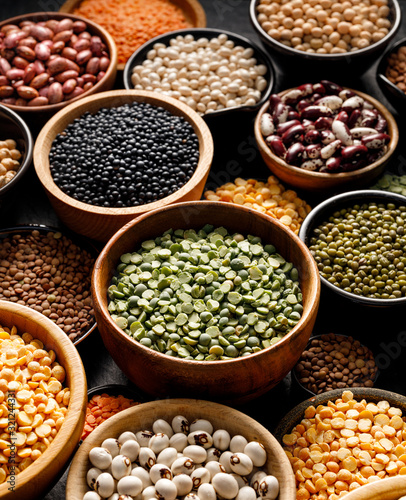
(226, 379)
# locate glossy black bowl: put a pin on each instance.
(139, 56)
(392, 92)
(116, 390)
(12, 126)
(327, 65)
(324, 210)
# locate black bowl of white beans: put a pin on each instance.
(216, 72)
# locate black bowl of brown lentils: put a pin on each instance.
(358, 240)
(49, 271)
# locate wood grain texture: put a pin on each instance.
(101, 223)
(391, 488)
(222, 417)
(39, 477)
(192, 10)
(43, 113)
(237, 380)
(319, 182)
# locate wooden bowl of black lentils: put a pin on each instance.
(205, 298)
(114, 156)
(358, 241)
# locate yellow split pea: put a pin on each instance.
(270, 198)
(33, 401)
(344, 445)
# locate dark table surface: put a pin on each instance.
(235, 154)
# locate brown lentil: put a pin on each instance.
(9, 160)
(325, 27)
(395, 70)
(334, 362)
(51, 274)
(33, 400)
(345, 444)
(270, 198)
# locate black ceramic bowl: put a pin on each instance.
(139, 56)
(327, 65)
(81, 242)
(116, 390)
(324, 210)
(12, 126)
(392, 92)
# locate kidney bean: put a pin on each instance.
(72, 66)
(87, 86)
(8, 54)
(29, 73)
(79, 26)
(43, 91)
(375, 141)
(276, 145)
(283, 127)
(39, 67)
(4, 66)
(17, 83)
(87, 77)
(66, 75)
(55, 93)
(41, 33)
(57, 65)
(3, 80)
(6, 91)
(15, 74)
(25, 52)
(21, 102)
(83, 56)
(64, 25)
(93, 65)
(9, 100)
(293, 134)
(40, 80)
(77, 91)
(57, 47)
(27, 92)
(38, 101)
(19, 62)
(29, 42)
(51, 24)
(69, 53)
(9, 27)
(63, 36)
(96, 45)
(81, 44)
(42, 51)
(11, 40)
(69, 85)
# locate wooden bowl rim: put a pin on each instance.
(195, 6)
(326, 207)
(378, 490)
(77, 386)
(205, 158)
(162, 408)
(308, 174)
(107, 39)
(173, 361)
(327, 58)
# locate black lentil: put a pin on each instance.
(124, 156)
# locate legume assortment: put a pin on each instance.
(270, 198)
(324, 127)
(9, 160)
(124, 156)
(333, 361)
(33, 400)
(206, 294)
(345, 444)
(206, 74)
(361, 249)
(48, 62)
(395, 70)
(391, 182)
(51, 274)
(180, 459)
(133, 22)
(325, 27)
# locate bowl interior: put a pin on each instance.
(325, 209)
(142, 417)
(395, 95)
(140, 55)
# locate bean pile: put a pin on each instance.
(51, 274)
(206, 74)
(48, 62)
(33, 400)
(180, 460)
(345, 444)
(391, 182)
(361, 249)
(205, 295)
(395, 70)
(133, 22)
(124, 156)
(270, 198)
(325, 26)
(323, 127)
(334, 362)
(9, 160)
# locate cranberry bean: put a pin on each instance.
(342, 117)
(323, 123)
(342, 132)
(266, 125)
(331, 101)
(283, 127)
(330, 149)
(381, 125)
(354, 119)
(352, 152)
(276, 145)
(293, 134)
(280, 113)
(313, 112)
(375, 141)
(294, 153)
(308, 125)
(293, 96)
(355, 102)
(331, 87)
(327, 136)
(358, 132)
(303, 104)
(312, 151)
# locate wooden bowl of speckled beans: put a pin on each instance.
(239, 379)
(39, 477)
(98, 222)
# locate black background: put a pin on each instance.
(235, 154)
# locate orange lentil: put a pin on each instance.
(101, 407)
(131, 23)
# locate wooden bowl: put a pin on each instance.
(327, 65)
(40, 114)
(390, 488)
(222, 417)
(192, 10)
(240, 379)
(320, 182)
(140, 55)
(101, 223)
(38, 478)
(12, 126)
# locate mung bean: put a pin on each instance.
(209, 295)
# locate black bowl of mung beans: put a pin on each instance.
(359, 244)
